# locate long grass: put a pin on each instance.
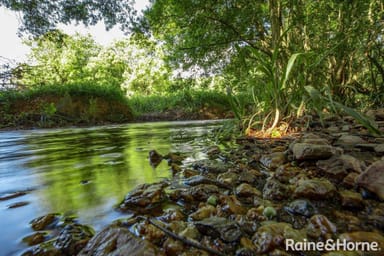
(186, 100)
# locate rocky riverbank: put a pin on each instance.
(255, 199)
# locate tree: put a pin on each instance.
(57, 58)
(41, 16)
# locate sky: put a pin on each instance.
(11, 46)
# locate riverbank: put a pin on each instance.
(254, 199)
(89, 105)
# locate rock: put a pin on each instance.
(285, 173)
(203, 192)
(229, 178)
(35, 238)
(301, 207)
(17, 204)
(246, 190)
(200, 179)
(211, 166)
(379, 148)
(273, 160)
(43, 222)
(363, 236)
(115, 240)
(72, 238)
(372, 179)
(349, 140)
(351, 199)
(275, 190)
(215, 227)
(231, 205)
(305, 151)
(349, 180)
(376, 114)
(270, 235)
(154, 158)
(190, 232)
(144, 197)
(12, 195)
(203, 212)
(320, 226)
(317, 188)
(340, 166)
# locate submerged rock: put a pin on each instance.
(115, 240)
(274, 160)
(372, 179)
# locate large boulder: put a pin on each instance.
(372, 179)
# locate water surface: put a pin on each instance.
(84, 171)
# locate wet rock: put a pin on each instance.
(172, 215)
(231, 205)
(203, 212)
(200, 179)
(340, 166)
(250, 176)
(17, 204)
(216, 227)
(351, 199)
(372, 179)
(144, 197)
(320, 226)
(285, 173)
(203, 192)
(213, 151)
(305, 151)
(155, 158)
(211, 166)
(174, 158)
(115, 240)
(246, 190)
(275, 190)
(301, 207)
(370, 237)
(12, 195)
(173, 247)
(273, 160)
(269, 236)
(190, 232)
(35, 238)
(229, 178)
(349, 180)
(317, 188)
(73, 238)
(43, 222)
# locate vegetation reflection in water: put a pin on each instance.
(82, 169)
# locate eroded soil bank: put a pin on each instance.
(316, 185)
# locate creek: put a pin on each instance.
(84, 171)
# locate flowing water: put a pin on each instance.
(84, 171)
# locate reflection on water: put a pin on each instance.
(83, 171)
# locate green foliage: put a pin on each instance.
(39, 17)
(189, 101)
